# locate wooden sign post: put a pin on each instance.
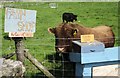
(19, 48)
(20, 23)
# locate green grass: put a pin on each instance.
(0, 32)
(90, 14)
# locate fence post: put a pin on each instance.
(19, 48)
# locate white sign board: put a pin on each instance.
(20, 20)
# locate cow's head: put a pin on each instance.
(75, 17)
(64, 34)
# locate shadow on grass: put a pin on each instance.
(6, 37)
(61, 69)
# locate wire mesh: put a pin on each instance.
(60, 68)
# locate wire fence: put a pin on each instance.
(59, 67)
(66, 68)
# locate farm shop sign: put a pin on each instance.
(20, 34)
(20, 20)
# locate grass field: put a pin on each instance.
(41, 46)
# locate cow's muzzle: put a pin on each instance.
(61, 49)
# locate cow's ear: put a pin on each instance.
(75, 15)
(51, 30)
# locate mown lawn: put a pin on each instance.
(41, 46)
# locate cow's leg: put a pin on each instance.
(61, 56)
(57, 56)
(66, 56)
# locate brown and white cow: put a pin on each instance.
(65, 33)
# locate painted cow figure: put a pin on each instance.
(65, 33)
(69, 17)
